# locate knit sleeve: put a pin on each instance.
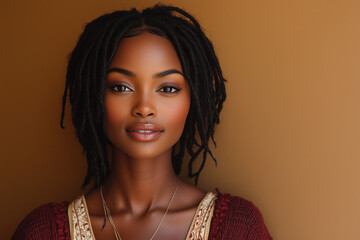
(236, 218)
(256, 226)
(48, 221)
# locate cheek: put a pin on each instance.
(179, 111)
(112, 113)
(177, 115)
(115, 114)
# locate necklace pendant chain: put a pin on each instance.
(107, 214)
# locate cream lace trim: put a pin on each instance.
(79, 220)
(81, 229)
(200, 226)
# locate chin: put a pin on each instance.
(146, 151)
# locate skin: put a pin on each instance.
(141, 179)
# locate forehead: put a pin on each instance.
(146, 50)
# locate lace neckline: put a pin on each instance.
(81, 229)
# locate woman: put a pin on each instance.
(144, 88)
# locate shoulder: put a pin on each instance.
(237, 218)
(48, 221)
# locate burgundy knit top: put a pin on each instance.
(234, 218)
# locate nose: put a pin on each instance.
(143, 107)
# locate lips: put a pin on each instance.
(144, 132)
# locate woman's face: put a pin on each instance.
(147, 98)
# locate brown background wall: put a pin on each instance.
(290, 133)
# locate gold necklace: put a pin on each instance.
(108, 214)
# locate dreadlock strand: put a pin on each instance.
(94, 53)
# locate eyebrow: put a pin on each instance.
(121, 70)
(157, 75)
(167, 72)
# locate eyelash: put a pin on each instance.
(173, 89)
(121, 86)
(167, 89)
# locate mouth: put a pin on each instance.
(144, 132)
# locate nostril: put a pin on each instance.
(147, 115)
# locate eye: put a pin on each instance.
(169, 89)
(120, 88)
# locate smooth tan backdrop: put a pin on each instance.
(290, 132)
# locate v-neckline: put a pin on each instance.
(207, 200)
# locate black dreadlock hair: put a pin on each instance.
(87, 69)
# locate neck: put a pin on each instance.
(139, 185)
